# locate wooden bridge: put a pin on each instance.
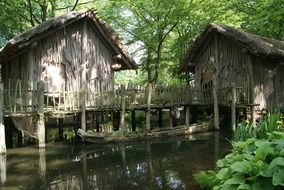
(28, 107)
(24, 100)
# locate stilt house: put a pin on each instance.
(227, 57)
(75, 50)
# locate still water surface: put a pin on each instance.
(163, 164)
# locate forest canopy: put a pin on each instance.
(157, 33)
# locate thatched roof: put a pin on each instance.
(254, 44)
(24, 40)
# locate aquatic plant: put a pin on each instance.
(273, 121)
(253, 164)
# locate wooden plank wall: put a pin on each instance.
(226, 58)
(57, 60)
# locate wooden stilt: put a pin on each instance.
(83, 109)
(148, 103)
(2, 128)
(40, 121)
(170, 119)
(160, 118)
(233, 108)
(187, 115)
(216, 107)
(97, 121)
(8, 128)
(122, 115)
(60, 128)
(133, 120)
(252, 115)
(20, 138)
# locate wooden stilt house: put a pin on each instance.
(224, 56)
(65, 52)
(71, 54)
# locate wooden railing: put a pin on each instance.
(26, 100)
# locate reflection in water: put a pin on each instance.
(168, 164)
(3, 168)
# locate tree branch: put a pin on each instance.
(74, 6)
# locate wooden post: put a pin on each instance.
(2, 128)
(160, 118)
(148, 103)
(122, 115)
(20, 138)
(97, 121)
(40, 121)
(187, 115)
(82, 99)
(133, 121)
(233, 108)
(216, 108)
(60, 128)
(252, 115)
(170, 118)
(115, 120)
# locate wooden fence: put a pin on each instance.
(26, 99)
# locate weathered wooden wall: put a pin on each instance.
(226, 59)
(268, 83)
(57, 60)
(260, 78)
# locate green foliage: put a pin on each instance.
(273, 121)
(253, 164)
(69, 134)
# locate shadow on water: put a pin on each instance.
(164, 164)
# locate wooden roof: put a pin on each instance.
(18, 44)
(254, 44)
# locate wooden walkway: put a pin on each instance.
(25, 101)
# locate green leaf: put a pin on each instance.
(278, 178)
(263, 184)
(244, 186)
(242, 167)
(236, 179)
(223, 174)
(264, 148)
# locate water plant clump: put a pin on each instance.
(273, 121)
(253, 164)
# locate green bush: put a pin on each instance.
(253, 164)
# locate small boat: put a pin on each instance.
(96, 137)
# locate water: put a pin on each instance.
(164, 164)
